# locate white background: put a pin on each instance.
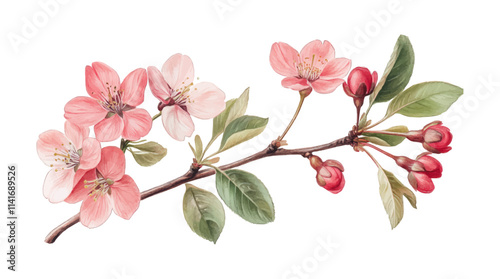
(453, 235)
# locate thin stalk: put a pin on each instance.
(302, 98)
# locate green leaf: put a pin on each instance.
(387, 140)
(246, 195)
(392, 192)
(425, 99)
(148, 153)
(203, 212)
(199, 147)
(242, 129)
(397, 72)
(234, 109)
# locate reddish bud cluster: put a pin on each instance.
(421, 171)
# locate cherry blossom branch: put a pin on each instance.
(194, 174)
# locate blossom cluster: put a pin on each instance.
(84, 171)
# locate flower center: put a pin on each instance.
(67, 155)
(310, 68)
(113, 102)
(98, 187)
(181, 97)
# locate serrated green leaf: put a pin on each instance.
(387, 140)
(246, 195)
(203, 212)
(242, 129)
(148, 153)
(199, 147)
(425, 99)
(234, 109)
(397, 73)
(392, 192)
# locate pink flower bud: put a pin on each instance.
(360, 82)
(421, 179)
(435, 137)
(329, 174)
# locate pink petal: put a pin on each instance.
(49, 143)
(178, 71)
(94, 213)
(158, 85)
(79, 191)
(76, 134)
(95, 87)
(58, 184)
(91, 154)
(325, 86)
(336, 68)
(84, 111)
(133, 87)
(137, 124)
(109, 78)
(205, 100)
(295, 83)
(433, 167)
(112, 164)
(125, 197)
(177, 122)
(109, 129)
(424, 182)
(283, 59)
(321, 52)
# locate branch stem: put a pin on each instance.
(194, 174)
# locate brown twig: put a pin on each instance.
(194, 174)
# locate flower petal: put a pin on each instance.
(109, 129)
(295, 83)
(84, 111)
(158, 85)
(283, 59)
(108, 77)
(137, 124)
(433, 167)
(58, 184)
(91, 154)
(76, 134)
(125, 197)
(79, 191)
(178, 71)
(336, 68)
(94, 213)
(206, 100)
(112, 164)
(48, 144)
(321, 52)
(325, 86)
(95, 87)
(133, 87)
(177, 122)
(424, 182)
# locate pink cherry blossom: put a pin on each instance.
(69, 155)
(111, 106)
(180, 98)
(315, 67)
(106, 188)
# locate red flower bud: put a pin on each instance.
(421, 171)
(435, 137)
(329, 174)
(360, 82)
